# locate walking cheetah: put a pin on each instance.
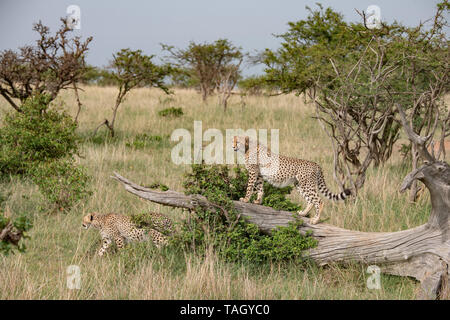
(119, 228)
(281, 171)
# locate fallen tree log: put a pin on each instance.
(422, 252)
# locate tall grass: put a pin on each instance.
(143, 272)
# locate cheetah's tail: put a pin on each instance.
(327, 193)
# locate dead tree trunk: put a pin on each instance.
(422, 252)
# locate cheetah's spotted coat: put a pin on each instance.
(119, 228)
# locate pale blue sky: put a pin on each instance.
(145, 24)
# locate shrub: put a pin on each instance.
(38, 134)
(62, 183)
(157, 185)
(232, 237)
(253, 85)
(171, 112)
(141, 141)
(41, 141)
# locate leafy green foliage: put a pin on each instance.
(132, 68)
(253, 85)
(203, 63)
(314, 50)
(41, 142)
(62, 183)
(98, 76)
(37, 134)
(276, 198)
(158, 185)
(142, 141)
(232, 237)
(184, 78)
(284, 244)
(171, 112)
(307, 48)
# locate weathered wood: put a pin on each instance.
(422, 252)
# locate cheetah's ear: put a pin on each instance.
(91, 216)
(247, 142)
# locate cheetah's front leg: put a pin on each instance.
(105, 246)
(305, 212)
(252, 177)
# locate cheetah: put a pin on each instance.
(159, 222)
(281, 171)
(118, 227)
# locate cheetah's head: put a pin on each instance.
(240, 143)
(87, 220)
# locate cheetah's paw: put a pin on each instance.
(315, 220)
(302, 214)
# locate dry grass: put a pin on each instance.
(57, 241)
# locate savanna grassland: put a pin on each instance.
(142, 272)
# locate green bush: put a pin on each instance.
(253, 85)
(233, 238)
(38, 134)
(41, 142)
(62, 183)
(171, 112)
(158, 185)
(141, 141)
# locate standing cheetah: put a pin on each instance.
(281, 171)
(119, 228)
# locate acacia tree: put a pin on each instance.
(131, 69)
(212, 65)
(355, 75)
(56, 62)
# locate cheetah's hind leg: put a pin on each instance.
(319, 208)
(309, 205)
(120, 242)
